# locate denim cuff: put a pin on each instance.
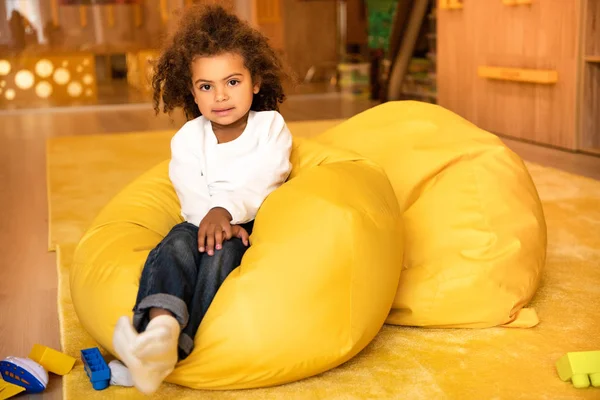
(186, 345)
(161, 300)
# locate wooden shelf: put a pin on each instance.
(516, 2)
(589, 134)
(451, 4)
(518, 74)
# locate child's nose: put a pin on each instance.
(221, 95)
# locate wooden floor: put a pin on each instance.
(28, 285)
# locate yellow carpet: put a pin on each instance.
(85, 172)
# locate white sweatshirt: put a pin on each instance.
(236, 175)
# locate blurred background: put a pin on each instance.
(74, 52)
(525, 69)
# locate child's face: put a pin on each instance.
(222, 87)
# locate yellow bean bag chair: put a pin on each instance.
(474, 226)
(312, 291)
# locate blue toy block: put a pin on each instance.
(96, 368)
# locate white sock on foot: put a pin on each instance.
(119, 374)
(151, 355)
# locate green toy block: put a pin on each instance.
(580, 368)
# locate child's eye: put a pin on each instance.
(205, 87)
(234, 82)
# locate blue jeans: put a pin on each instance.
(180, 279)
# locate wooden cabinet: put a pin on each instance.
(303, 31)
(589, 128)
(515, 69)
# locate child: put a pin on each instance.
(233, 151)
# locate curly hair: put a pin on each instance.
(209, 31)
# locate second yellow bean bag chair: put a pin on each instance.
(475, 233)
(312, 291)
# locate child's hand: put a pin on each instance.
(213, 229)
(239, 232)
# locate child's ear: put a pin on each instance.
(193, 95)
(256, 88)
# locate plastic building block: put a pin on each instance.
(8, 390)
(580, 368)
(25, 373)
(52, 360)
(96, 368)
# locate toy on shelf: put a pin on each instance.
(25, 373)
(96, 368)
(580, 368)
(52, 360)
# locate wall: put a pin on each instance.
(309, 33)
(306, 33)
(4, 29)
(99, 32)
(70, 35)
(356, 16)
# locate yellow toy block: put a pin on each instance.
(52, 360)
(8, 390)
(580, 368)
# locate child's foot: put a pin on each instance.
(119, 374)
(151, 355)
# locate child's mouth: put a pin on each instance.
(223, 111)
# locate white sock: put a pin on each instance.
(119, 374)
(151, 355)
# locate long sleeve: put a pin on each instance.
(269, 168)
(186, 174)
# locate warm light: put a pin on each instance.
(44, 68)
(88, 79)
(24, 79)
(2, 83)
(74, 89)
(62, 76)
(10, 94)
(88, 92)
(86, 61)
(65, 63)
(79, 69)
(43, 89)
(4, 67)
